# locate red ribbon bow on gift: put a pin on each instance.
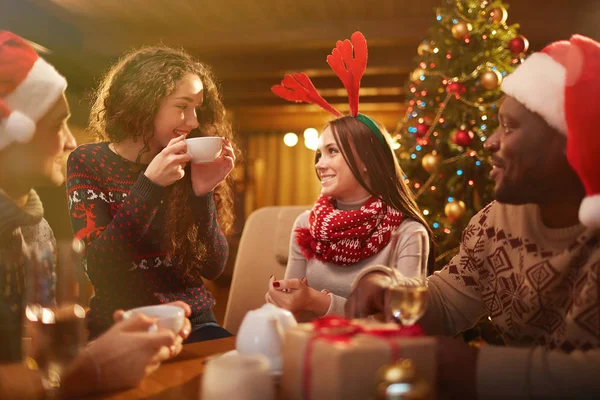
(341, 330)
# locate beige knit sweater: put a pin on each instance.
(540, 287)
(406, 247)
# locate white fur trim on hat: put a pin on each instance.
(539, 84)
(18, 127)
(589, 211)
(38, 91)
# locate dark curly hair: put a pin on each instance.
(126, 102)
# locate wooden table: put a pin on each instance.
(177, 379)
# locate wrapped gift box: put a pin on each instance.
(342, 362)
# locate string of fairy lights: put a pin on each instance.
(426, 121)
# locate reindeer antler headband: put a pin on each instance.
(349, 61)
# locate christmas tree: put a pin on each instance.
(453, 97)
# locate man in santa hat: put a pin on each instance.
(530, 261)
(34, 137)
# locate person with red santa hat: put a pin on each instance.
(34, 136)
(530, 260)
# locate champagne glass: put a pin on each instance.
(54, 319)
(408, 292)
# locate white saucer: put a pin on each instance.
(275, 374)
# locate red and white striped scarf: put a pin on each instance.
(344, 237)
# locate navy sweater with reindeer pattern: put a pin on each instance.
(120, 215)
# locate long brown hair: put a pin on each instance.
(384, 174)
(126, 102)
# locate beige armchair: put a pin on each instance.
(263, 251)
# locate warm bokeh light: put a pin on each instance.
(311, 134)
(290, 139)
(312, 143)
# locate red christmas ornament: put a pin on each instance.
(423, 142)
(456, 88)
(422, 130)
(463, 137)
(518, 45)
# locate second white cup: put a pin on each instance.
(167, 316)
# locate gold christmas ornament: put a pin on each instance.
(498, 15)
(416, 74)
(404, 156)
(455, 210)
(424, 48)
(461, 30)
(400, 381)
(431, 162)
(491, 79)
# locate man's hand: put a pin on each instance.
(177, 346)
(368, 297)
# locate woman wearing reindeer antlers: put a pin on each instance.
(364, 201)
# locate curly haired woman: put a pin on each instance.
(152, 221)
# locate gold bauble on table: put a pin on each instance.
(400, 381)
(455, 210)
(416, 74)
(498, 15)
(431, 162)
(491, 79)
(461, 29)
(424, 48)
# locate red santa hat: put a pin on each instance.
(539, 84)
(29, 86)
(562, 84)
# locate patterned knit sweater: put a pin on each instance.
(541, 289)
(120, 215)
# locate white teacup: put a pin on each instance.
(167, 316)
(239, 377)
(204, 149)
(262, 331)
